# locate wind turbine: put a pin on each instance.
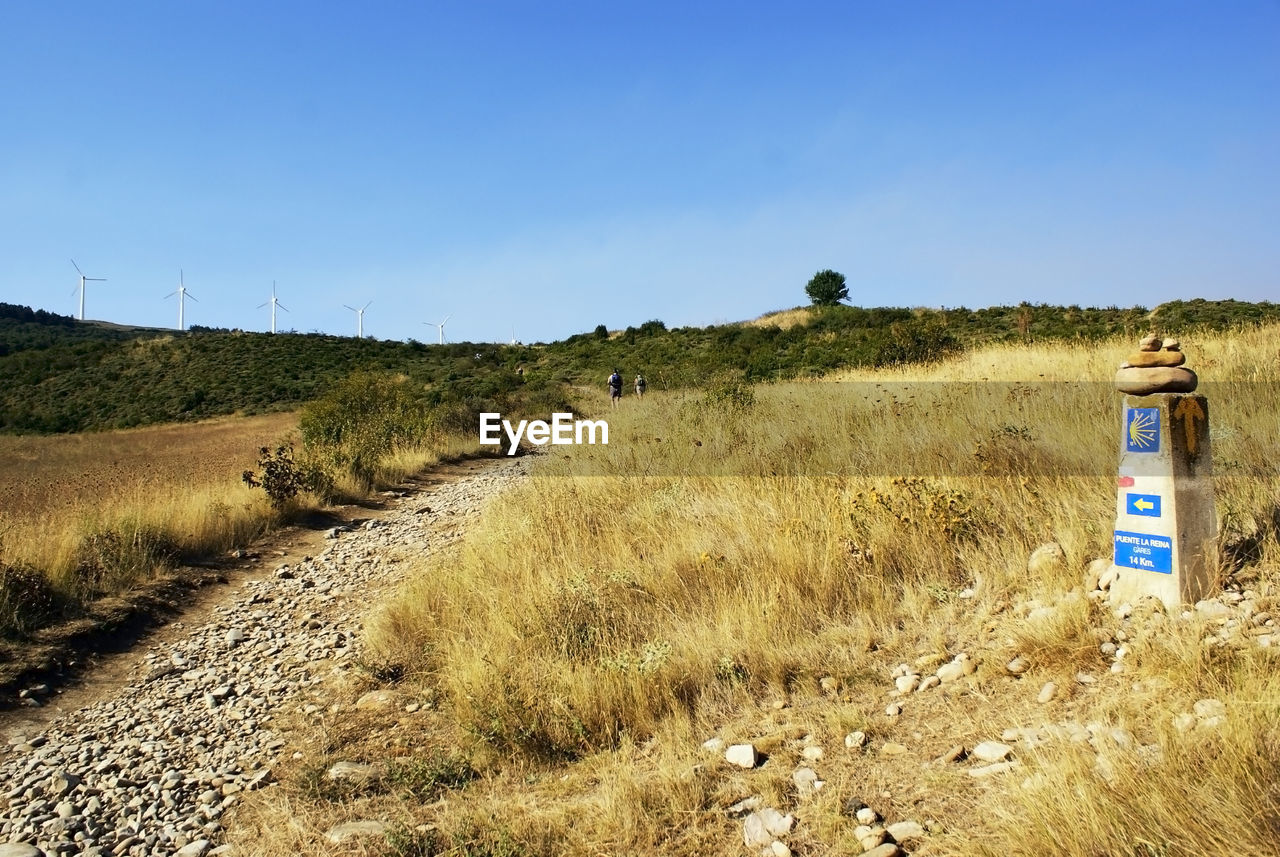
(275, 303)
(83, 280)
(359, 319)
(440, 326)
(182, 294)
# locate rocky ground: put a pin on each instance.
(150, 767)
(1238, 615)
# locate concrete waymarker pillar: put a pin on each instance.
(1166, 533)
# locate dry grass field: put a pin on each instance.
(90, 515)
(784, 319)
(69, 476)
(778, 553)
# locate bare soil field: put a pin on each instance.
(63, 474)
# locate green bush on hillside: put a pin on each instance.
(362, 419)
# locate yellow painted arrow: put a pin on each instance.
(1143, 505)
(1189, 410)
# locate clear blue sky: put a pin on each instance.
(553, 166)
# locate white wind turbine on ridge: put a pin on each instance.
(275, 302)
(359, 319)
(182, 294)
(439, 326)
(83, 280)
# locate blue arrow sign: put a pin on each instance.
(1147, 505)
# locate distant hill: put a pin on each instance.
(62, 375)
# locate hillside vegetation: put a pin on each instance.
(593, 631)
(66, 376)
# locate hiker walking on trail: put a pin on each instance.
(615, 387)
(639, 386)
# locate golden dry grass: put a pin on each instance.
(93, 514)
(784, 319)
(65, 474)
(779, 552)
(176, 485)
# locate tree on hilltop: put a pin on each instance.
(827, 288)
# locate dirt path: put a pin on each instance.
(85, 667)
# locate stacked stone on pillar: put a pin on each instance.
(1165, 534)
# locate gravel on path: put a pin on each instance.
(150, 769)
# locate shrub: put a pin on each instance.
(283, 478)
(361, 421)
(27, 600)
(110, 559)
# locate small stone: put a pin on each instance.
(742, 755)
(992, 751)
(1040, 615)
(806, 781)
(378, 700)
(20, 849)
(886, 849)
(235, 635)
(1047, 693)
(1145, 382)
(954, 754)
(1045, 558)
(870, 838)
(904, 831)
(1085, 678)
(1093, 574)
(1212, 610)
(61, 783)
(342, 832)
(813, 753)
(780, 849)
(1108, 577)
(1150, 359)
(761, 827)
(1017, 666)
(1209, 708)
(906, 683)
(713, 745)
(992, 770)
(890, 748)
(199, 848)
(829, 684)
(867, 815)
(893, 710)
(777, 823)
(1150, 342)
(854, 740)
(961, 666)
(743, 807)
(928, 683)
(353, 771)
(1184, 722)
(754, 834)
